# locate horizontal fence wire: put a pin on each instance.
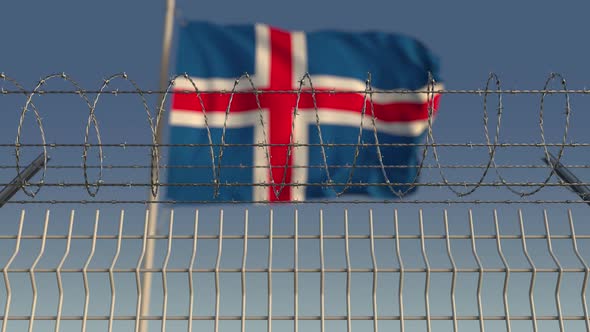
(91, 173)
(342, 271)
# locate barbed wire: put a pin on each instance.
(368, 119)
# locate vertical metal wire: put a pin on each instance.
(58, 273)
(427, 281)
(454, 278)
(480, 271)
(559, 275)
(296, 269)
(243, 272)
(401, 273)
(217, 264)
(85, 272)
(165, 273)
(375, 270)
(112, 275)
(138, 269)
(322, 275)
(191, 287)
(5, 271)
(534, 274)
(32, 271)
(348, 272)
(270, 235)
(507, 275)
(586, 269)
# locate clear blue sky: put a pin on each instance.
(521, 41)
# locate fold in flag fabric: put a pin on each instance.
(254, 138)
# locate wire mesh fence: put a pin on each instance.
(307, 272)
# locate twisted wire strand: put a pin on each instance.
(91, 118)
(92, 121)
(320, 136)
(492, 147)
(124, 77)
(412, 185)
(492, 150)
(305, 86)
(542, 127)
(277, 192)
(209, 137)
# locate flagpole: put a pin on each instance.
(153, 206)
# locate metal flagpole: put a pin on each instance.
(153, 207)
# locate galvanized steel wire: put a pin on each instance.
(404, 296)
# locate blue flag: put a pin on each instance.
(255, 145)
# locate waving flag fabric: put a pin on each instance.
(257, 128)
